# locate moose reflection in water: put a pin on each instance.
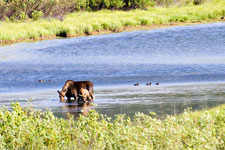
(79, 90)
(77, 109)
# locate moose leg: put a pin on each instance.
(69, 98)
(88, 97)
(92, 96)
(75, 98)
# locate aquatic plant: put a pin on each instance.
(23, 128)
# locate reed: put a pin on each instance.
(85, 23)
(24, 128)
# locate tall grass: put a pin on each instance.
(89, 22)
(32, 129)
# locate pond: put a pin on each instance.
(187, 61)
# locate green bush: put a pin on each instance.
(23, 16)
(116, 4)
(94, 4)
(35, 15)
(105, 4)
(132, 4)
(24, 128)
(35, 9)
(17, 9)
(81, 4)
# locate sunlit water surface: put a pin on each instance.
(188, 61)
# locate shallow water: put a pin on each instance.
(188, 61)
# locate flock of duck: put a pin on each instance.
(136, 84)
(44, 81)
(148, 84)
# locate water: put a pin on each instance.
(188, 61)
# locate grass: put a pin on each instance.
(86, 23)
(24, 128)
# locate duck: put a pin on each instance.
(136, 84)
(149, 83)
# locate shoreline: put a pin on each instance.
(123, 29)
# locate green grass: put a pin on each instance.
(31, 129)
(89, 22)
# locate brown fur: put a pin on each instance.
(85, 95)
(74, 88)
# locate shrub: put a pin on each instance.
(23, 16)
(36, 9)
(132, 4)
(25, 128)
(35, 15)
(105, 4)
(81, 4)
(21, 9)
(17, 9)
(94, 4)
(116, 4)
(163, 2)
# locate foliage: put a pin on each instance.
(22, 9)
(116, 4)
(35, 9)
(13, 9)
(24, 128)
(89, 22)
(36, 15)
(139, 3)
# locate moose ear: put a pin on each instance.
(59, 92)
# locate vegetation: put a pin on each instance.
(32, 129)
(36, 9)
(81, 23)
(23, 9)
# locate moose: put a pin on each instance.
(79, 90)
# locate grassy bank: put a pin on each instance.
(29, 129)
(85, 23)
